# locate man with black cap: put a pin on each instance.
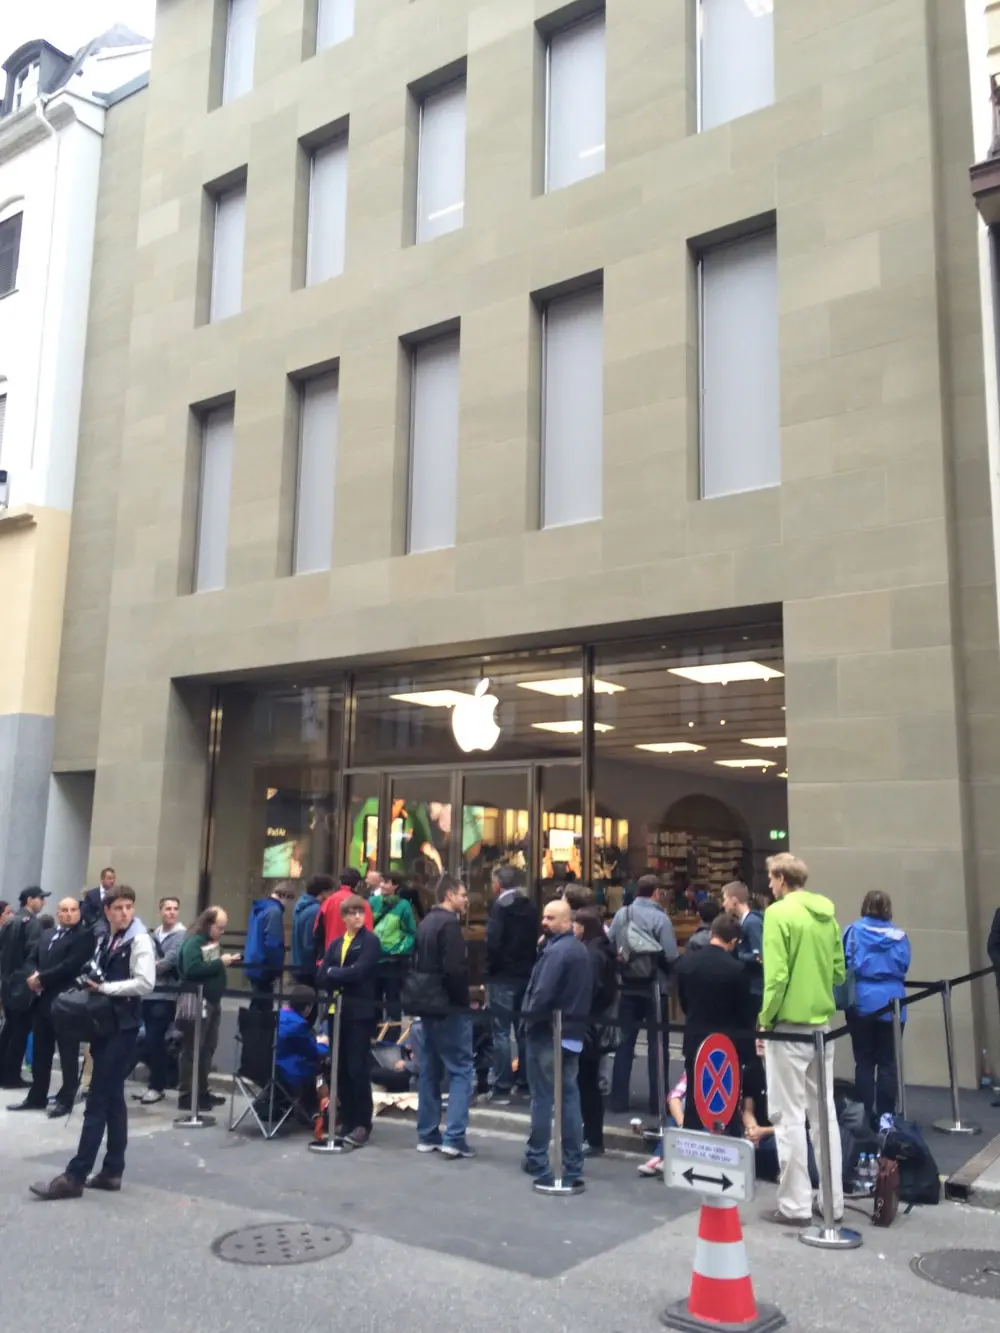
(17, 945)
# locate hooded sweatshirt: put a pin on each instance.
(304, 932)
(803, 960)
(879, 953)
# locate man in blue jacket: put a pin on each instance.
(264, 954)
(304, 959)
(562, 979)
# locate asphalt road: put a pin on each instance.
(431, 1244)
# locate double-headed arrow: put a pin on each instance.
(690, 1175)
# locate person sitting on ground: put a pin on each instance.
(298, 1050)
(351, 969)
(702, 937)
(676, 1102)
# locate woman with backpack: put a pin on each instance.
(600, 1037)
(877, 954)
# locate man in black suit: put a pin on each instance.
(715, 995)
(92, 902)
(17, 942)
(58, 958)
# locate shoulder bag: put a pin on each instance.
(83, 1015)
(638, 952)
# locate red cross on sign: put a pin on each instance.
(716, 1082)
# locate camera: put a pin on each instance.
(92, 972)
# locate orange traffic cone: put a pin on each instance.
(721, 1295)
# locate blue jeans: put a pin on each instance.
(506, 997)
(541, 1076)
(113, 1058)
(447, 1047)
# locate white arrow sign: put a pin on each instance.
(709, 1164)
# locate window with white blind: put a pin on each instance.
(241, 42)
(213, 499)
(573, 408)
(227, 254)
(441, 162)
(327, 211)
(314, 494)
(433, 499)
(334, 22)
(3, 419)
(736, 58)
(575, 103)
(740, 401)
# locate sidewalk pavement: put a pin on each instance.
(462, 1245)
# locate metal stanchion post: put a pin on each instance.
(897, 1050)
(955, 1125)
(831, 1235)
(331, 1144)
(661, 1072)
(555, 1184)
(195, 1119)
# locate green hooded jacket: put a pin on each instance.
(803, 960)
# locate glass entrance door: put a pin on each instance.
(496, 831)
(420, 840)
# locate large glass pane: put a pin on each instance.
(274, 792)
(495, 832)
(562, 828)
(522, 707)
(421, 831)
(690, 763)
(362, 822)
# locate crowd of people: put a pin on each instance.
(368, 946)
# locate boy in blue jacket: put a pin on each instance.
(299, 1051)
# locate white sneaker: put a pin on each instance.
(652, 1168)
(151, 1097)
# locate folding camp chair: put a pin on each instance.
(269, 1101)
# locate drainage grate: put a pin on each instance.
(974, 1272)
(276, 1244)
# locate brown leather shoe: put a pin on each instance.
(102, 1182)
(63, 1187)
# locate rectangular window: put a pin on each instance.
(334, 22)
(740, 411)
(3, 419)
(227, 254)
(314, 494)
(433, 497)
(573, 408)
(213, 499)
(327, 211)
(10, 250)
(241, 41)
(736, 58)
(575, 103)
(441, 162)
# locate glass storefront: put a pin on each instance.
(592, 763)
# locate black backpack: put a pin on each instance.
(918, 1172)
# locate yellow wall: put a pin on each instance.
(33, 578)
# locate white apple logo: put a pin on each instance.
(472, 720)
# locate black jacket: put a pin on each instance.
(604, 973)
(715, 995)
(511, 937)
(92, 911)
(441, 951)
(59, 962)
(17, 945)
(993, 944)
(562, 979)
(356, 978)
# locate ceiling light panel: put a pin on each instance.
(766, 742)
(727, 673)
(746, 763)
(671, 747)
(569, 727)
(568, 687)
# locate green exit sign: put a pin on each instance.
(777, 834)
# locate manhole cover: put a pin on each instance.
(274, 1244)
(974, 1272)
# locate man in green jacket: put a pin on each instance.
(803, 961)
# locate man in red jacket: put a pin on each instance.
(329, 923)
